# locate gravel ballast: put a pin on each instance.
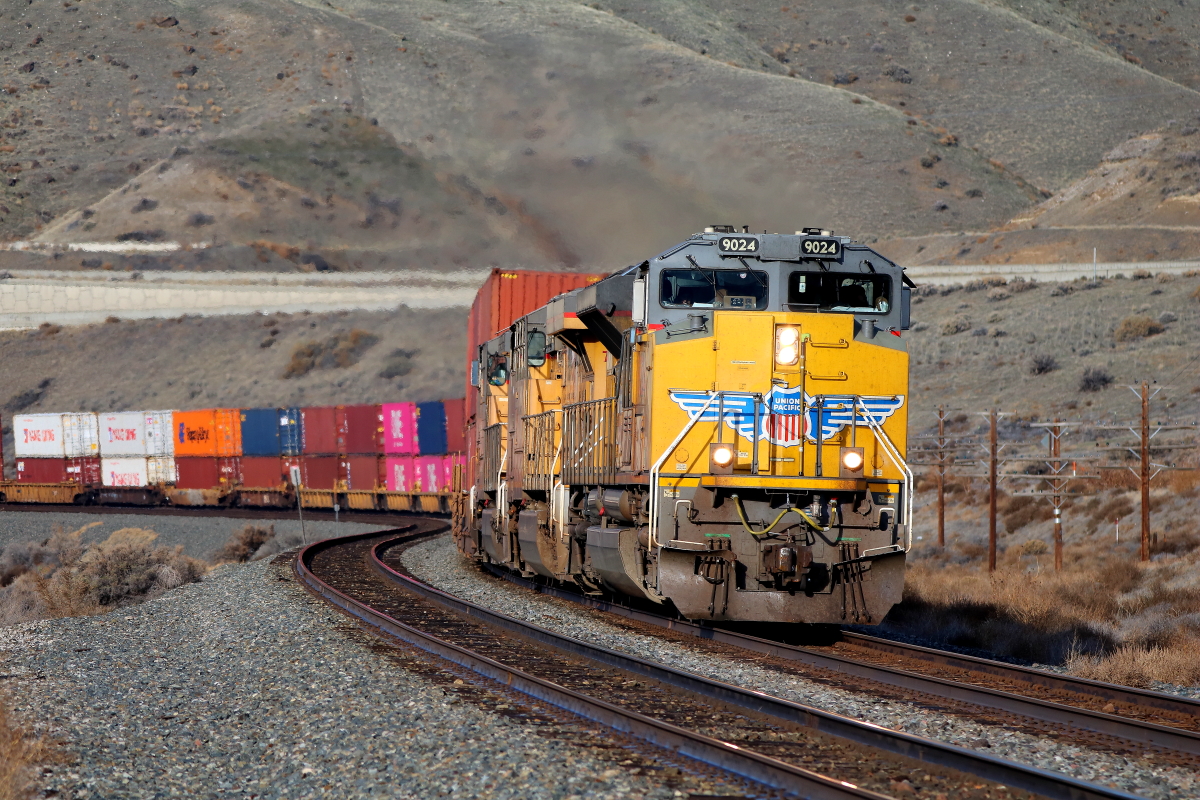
(200, 536)
(439, 564)
(244, 685)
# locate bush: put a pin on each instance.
(1041, 364)
(278, 544)
(243, 544)
(62, 577)
(338, 351)
(1094, 379)
(1136, 327)
(1018, 285)
(398, 364)
(956, 325)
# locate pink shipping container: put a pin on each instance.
(399, 474)
(400, 429)
(428, 473)
(448, 464)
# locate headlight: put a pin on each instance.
(787, 345)
(720, 459)
(852, 461)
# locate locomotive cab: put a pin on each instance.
(727, 436)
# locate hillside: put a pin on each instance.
(439, 134)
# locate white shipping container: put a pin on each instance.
(81, 434)
(123, 434)
(38, 436)
(124, 471)
(161, 469)
(160, 438)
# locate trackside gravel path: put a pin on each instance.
(245, 686)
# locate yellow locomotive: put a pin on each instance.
(720, 429)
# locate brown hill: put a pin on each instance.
(450, 134)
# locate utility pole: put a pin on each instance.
(941, 440)
(939, 454)
(1145, 471)
(993, 451)
(1057, 479)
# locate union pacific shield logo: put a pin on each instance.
(788, 415)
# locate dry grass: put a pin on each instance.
(1104, 616)
(21, 753)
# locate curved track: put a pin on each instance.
(1119, 717)
(765, 739)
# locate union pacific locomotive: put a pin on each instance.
(720, 429)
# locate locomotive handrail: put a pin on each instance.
(656, 470)
(893, 453)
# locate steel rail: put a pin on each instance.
(724, 755)
(1009, 773)
(1133, 730)
(1145, 698)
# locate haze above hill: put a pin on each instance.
(376, 135)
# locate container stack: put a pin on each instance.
(271, 445)
(57, 448)
(208, 448)
(136, 448)
(360, 443)
(399, 446)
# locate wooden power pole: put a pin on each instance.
(1145, 471)
(993, 452)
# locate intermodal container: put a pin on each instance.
(428, 474)
(398, 473)
(359, 429)
(130, 471)
(456, 440)
(122, 434)
(209, 432)
(290, 437)
(58, 470)
(81, 434)
(362, 473)
(319, 472)
(199, 472)
(260, 432)
(431, 428)
(400, 429)
(318, 430)
(262, 472)
(38, 436)
(449, 462)
(509, 294)
(161, 470)
(160, 433)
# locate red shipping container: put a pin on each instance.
(359, 429)
(509, 294)
(58, 470)
(319, 472)
(198, 472)
(456, 441)
(362, 473)
(318, 430)
(262, 472)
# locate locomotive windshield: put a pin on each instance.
(714, 288)
(847, 292)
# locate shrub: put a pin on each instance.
(1094, 379)
(1062, 290)
(1041, 364)
(21, 752)
(1034, 547)
(278, 544)
(1018, 285)
(398, 363)
(338, 351)
(1136, 327)
(998, 294)
(956, 325)
(243, 544)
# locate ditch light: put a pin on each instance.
(720, 459)
(852, 459)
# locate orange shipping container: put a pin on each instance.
(209, 432)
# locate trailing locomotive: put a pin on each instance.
(721, 429)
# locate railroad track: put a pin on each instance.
(1122, 719)
(232, 512)
(791, 748)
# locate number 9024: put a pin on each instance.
(821, 247)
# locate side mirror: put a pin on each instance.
(535, 351)
(905, 307)
(639, 302)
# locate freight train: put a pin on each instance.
(389, 457)
(720, 430)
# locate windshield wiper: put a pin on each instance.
(757, 277)
(711, 280)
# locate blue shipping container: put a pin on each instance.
(290, 439)
(431, 428)
(260, 432)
